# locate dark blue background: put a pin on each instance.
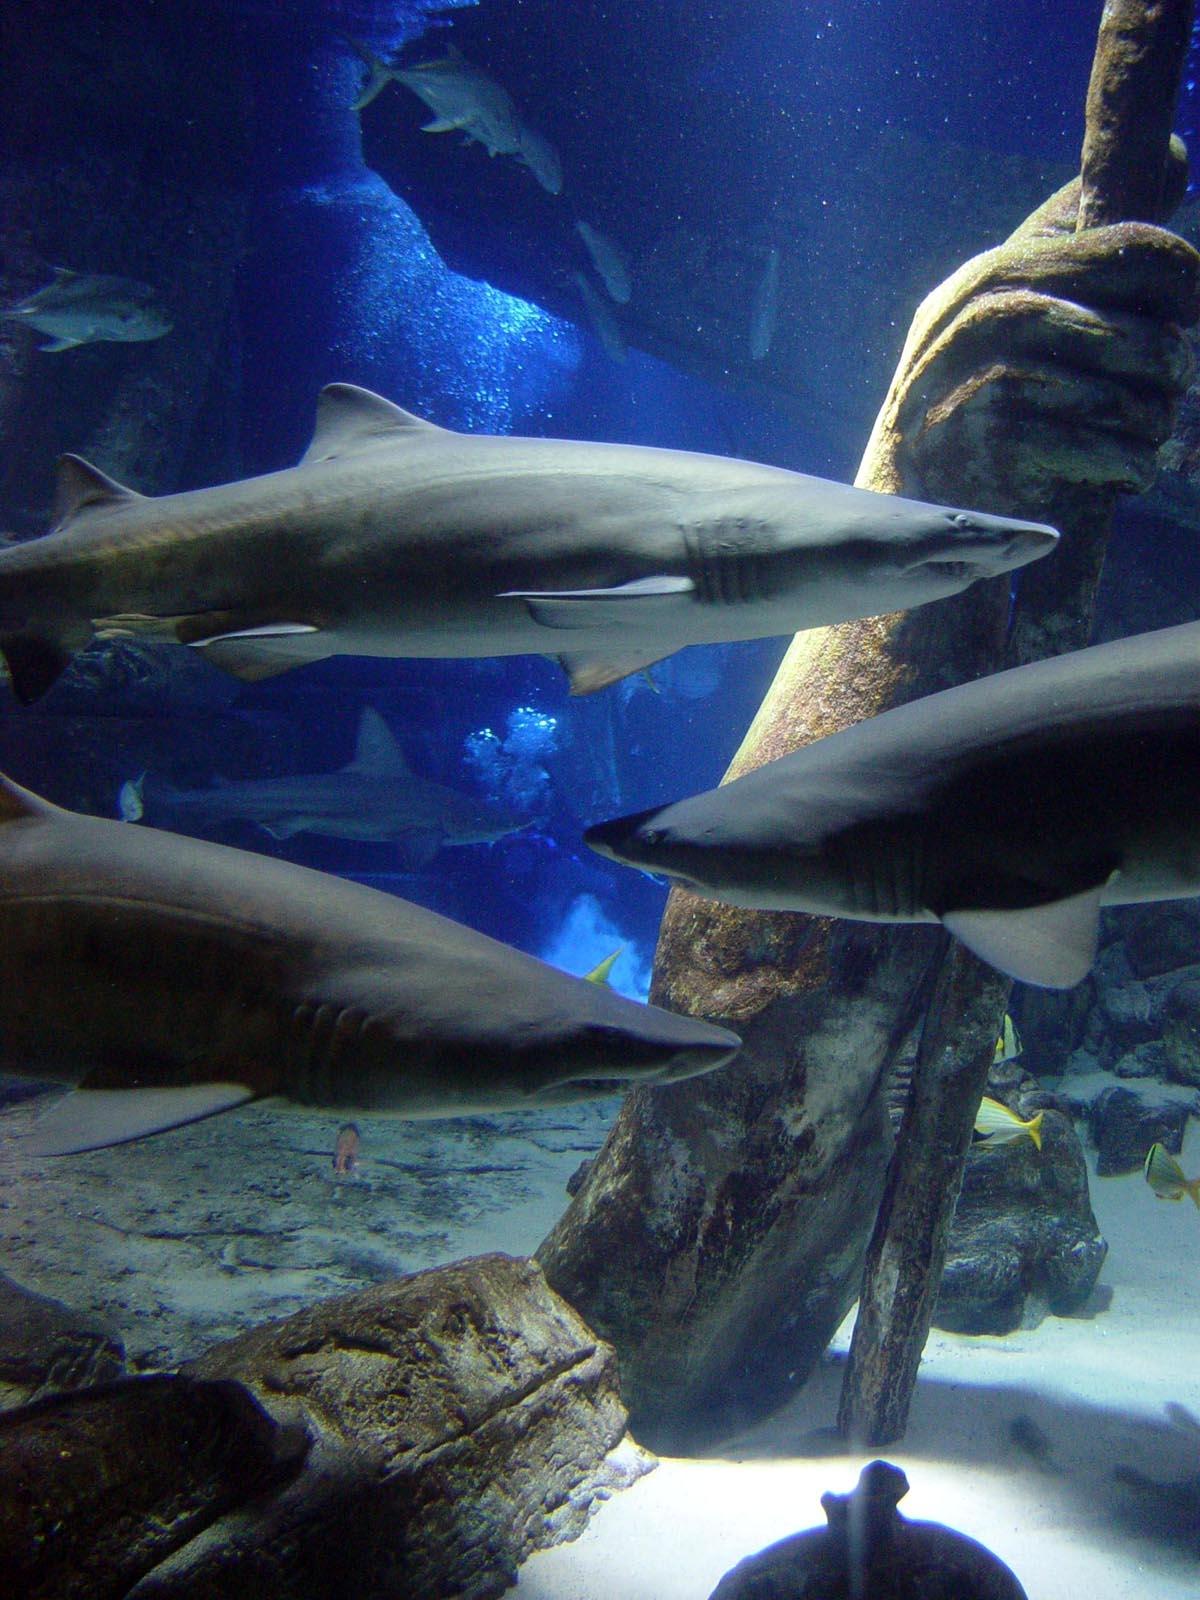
(731, 103)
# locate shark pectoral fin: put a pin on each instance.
(92, 1119)
(1053, 946)
(587, 673)
(628, 603)
(255, 653)
(258, 636)
(249, 653)
(252, 666)
(54, 345)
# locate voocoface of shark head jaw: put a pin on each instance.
(588, 1060)
(598, 1060)
(527, 1037)
(732, 852)
(689, 843)
(819, 552)
(643, 839)
(919, 553)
